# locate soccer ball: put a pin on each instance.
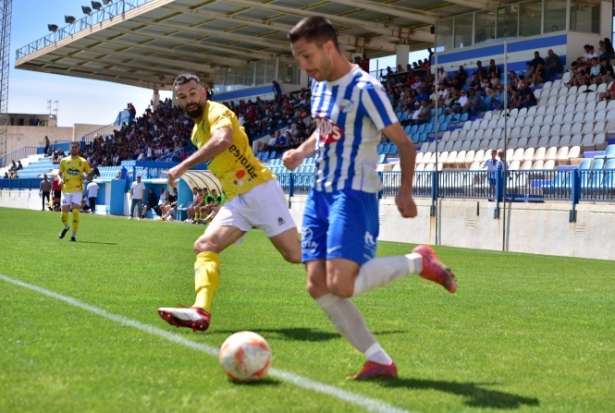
(245, 356)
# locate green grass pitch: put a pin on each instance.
(523, 333)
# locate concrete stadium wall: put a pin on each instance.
(531, 228)
(22, 136)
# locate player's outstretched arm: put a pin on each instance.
(294, 157)
(221, 139)
(407, 157)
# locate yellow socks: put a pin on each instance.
(206, 278)
(65, 218)
(76, 219)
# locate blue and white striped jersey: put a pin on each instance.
(350, 114)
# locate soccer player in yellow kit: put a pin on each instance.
(254, 197)
(73, 170)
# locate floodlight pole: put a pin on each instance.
(505, 163)
(434, 207)
(5, 43)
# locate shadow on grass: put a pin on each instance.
(298, 333)
(476, 396)
(95, 242)
(295, 334)
(267, 381)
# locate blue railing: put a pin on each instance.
(570, 185)
(109, 11)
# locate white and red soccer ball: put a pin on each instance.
(245, 356)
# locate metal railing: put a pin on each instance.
(104, 131)
(18, 154)
(107, 12)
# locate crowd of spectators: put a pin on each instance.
(149, 137)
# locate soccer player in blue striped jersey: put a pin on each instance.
(340, 222)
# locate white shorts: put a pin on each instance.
(263, 207)
(70, 198)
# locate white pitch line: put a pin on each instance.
(371, 405)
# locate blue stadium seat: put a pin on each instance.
(610, 152)
(392, 149)
(380, 148)
(608, 181)
(414, 129)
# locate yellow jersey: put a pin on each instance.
(237, 168)
(72, 173)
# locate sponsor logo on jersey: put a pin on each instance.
(328, 131)
(346, 106)
(240, 157)
(73, 171)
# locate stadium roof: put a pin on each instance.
(147, 43)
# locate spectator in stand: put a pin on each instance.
(604, 53)
(513, 79)
(132, 110)
(608, 46)
(277, 89)
(498, 98)
(594, 71)
(462, 105)
(606, 72)
(137, 192)
(539, 75)
(609, 94)
(44, 191)
(590, 53)
(554, 65)
(537, 60)
(92, 195)
(152, 202)
(493, 68)
(364, 63)
(516, 101)
(47, 146)
(423, 114)
(475, 83)
(527, 96)
(6, 175)
(480, 70)
(462, 75)
(577, 77)
(95, 170)
(529, 72)
(441, 75)
(422, 95)
(476, 102)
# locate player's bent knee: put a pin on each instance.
(341, 290)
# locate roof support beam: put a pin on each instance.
(476, 4)
(229, 49)
(260, 41)
(115, 79)
(105, 60)
(398, 33)
(344, 40)
(180, 65)
(178, 53)
(405, 12)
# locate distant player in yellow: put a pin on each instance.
(254, 197)
(73, 171)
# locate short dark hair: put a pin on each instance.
(185, 78)
(314, 29)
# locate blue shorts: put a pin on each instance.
(341, 224)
